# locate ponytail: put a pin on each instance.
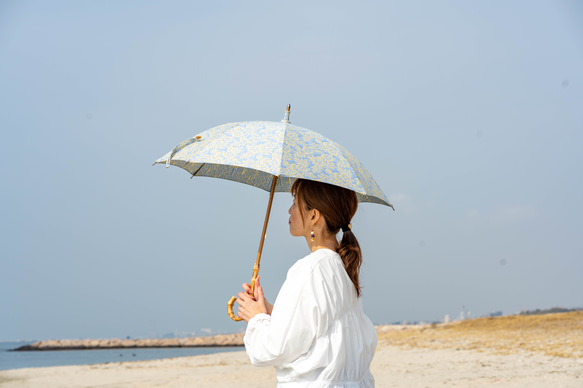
(349, 251)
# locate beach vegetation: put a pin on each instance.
(557, 335)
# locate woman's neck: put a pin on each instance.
(331, 244)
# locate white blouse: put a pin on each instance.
(317, 334)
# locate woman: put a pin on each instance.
(316, 334)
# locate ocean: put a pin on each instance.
(37, 359)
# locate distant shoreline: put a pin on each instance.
(234, 340)
(221, 340)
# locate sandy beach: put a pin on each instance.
(515, 351)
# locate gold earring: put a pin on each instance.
(312, 235)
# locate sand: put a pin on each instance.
(505, 352)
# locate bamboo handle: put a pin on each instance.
(230, 309)
(231, 302)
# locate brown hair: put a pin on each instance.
(337, 205)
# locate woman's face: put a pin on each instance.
(297, 225)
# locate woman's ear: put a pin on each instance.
(315, 216)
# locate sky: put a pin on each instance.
(468, 115)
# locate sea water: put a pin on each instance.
(35, 359)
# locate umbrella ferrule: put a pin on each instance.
(286, 116)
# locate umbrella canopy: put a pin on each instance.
(271, 156)
(253, 152)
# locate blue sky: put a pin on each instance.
(468, 114)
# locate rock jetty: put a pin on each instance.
(89, 344)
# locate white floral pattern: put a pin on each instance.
(252, 152)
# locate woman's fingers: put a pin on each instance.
(257, 286)
(242, 314)
(244, 297)
(261, 299)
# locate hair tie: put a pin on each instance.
(347, 227)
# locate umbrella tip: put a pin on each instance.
(286, 117)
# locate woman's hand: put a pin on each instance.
(247, 289)
(250, 306)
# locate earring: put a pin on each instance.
(312, 235)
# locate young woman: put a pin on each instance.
(316, 334)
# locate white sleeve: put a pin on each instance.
(292, 327)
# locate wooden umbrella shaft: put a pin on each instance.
(267, 213)
(257, 262)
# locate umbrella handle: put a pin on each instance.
(231, 302)
(230, 309)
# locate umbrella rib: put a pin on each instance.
(280, 167)
(196, 172)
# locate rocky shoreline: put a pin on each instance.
(223, 340)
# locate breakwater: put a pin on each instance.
(221, 340)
